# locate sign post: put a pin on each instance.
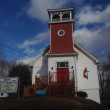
(18, 88)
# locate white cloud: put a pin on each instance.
(84, 36)
(29, 50)
(26, 60)
(95, 39)
(38, 8)
(37, 39)
(93, 15)
(92, 39)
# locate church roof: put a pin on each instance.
(76, 45)
(86, 53)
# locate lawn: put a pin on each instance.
(50, 103)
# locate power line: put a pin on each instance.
(14, 50)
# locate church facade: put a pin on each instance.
(64, 56)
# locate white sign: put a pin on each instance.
(9, 85)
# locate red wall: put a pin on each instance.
(61, 44)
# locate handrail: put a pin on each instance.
(53, 76)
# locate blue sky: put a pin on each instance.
(24, 26)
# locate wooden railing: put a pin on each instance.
(53, 76)
(50, 84)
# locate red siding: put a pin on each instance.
(61, 44)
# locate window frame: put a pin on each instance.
(66, 64)
(60, 31)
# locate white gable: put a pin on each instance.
(83, 62)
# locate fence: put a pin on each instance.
(52, 86)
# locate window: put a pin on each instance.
(66, 16)
(62, 64)
(56, 17)
(61, 32)
(61, 16)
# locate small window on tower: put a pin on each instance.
(66, 16)
(61, 32)
(56, 17)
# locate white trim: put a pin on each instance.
(87, 53)
(66, 12)
(61, 9)
(51, 16)
(63, 62)
(60, 14)
(50, 37)
(76, 75)
(63, 54)
(59, 32)
(50, 41)
(70, 15)
(72, 36)
(89, 89)
(63, 21)
(56, 13)
(37, 57)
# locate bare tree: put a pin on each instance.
(3, 64)
(3, 67)
(104, 75)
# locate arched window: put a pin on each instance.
(66, 16)
(56, 17)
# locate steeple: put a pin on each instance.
(61, 31)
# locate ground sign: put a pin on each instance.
(9, 85)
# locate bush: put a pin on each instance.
(82, 94)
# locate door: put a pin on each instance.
(62, 75)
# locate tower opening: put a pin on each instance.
(56, 17)
(66, 16)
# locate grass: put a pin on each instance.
(50, 103)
